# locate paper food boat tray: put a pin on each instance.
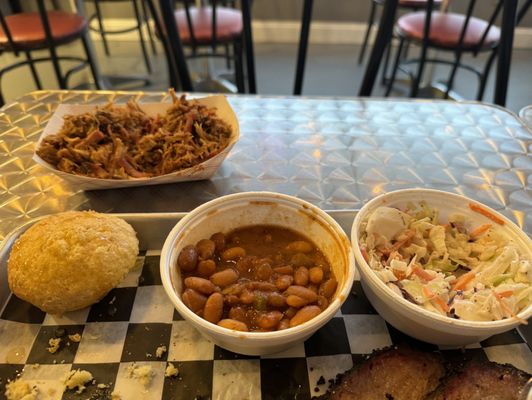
(204, 170)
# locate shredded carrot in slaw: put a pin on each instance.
(461, 282)
(422, 273)
(479, 230)
(481, 210)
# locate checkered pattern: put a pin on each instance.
(133, 320)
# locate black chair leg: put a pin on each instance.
(384, 36)
(141, 36)
(92, 62)
(239, 66)
(146, 19)
(371, 20)
(416, 82)
(508, 20)
(33, 70)
(248, 46)
(227, 57)
(101, 27)
(405, 51)
(386, 62)
(450, 82)
(171, 65)
(303, 45)
(485, 75)
(57, 68)
(391, 79)
(175, 49)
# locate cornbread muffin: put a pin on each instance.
(71, 260)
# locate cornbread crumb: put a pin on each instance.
(20, 390)
(115, 396)
(53, 344)
(77, 379)
(160, 351)
(142, 373)
(171, 370)
(76, 338)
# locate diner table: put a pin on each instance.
(336, 153)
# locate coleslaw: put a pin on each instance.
(451, 268)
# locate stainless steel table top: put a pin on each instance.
(333, 152)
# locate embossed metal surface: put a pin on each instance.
(335, 153)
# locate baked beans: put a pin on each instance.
(258, 278)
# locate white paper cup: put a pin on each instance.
(411, 318)
(258, 208)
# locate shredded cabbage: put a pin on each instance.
(447, 268)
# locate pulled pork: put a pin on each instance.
(124, 142)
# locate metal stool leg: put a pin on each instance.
(385, 65)
(92, 62)
(227, 57)
(485, 75)
(248, 45)
(174, 45)
(148, 27)
(414, 88)
(33, 70)
(384, 36)
(102, 29)
(141, 36)
(371, 20)
(391, 80)
(303, 45)
(57, 68)
(239, 66)
(509, 14)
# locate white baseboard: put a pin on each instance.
(268, 31)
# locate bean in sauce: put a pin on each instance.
(257, 278)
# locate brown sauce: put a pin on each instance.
(256, 278)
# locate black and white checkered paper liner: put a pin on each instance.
(136, 318)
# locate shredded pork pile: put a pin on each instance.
(116, 142)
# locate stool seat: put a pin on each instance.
(27, 30)
(228, 24)
(446, 28)
(415, 4)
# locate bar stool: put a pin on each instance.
(25, 32)
(141, 17)
(305, 30)
(457, 33)
(203, 30)
(410, 5)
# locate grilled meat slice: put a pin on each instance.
(484, 381)
(394, 374)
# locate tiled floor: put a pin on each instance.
(332, 70)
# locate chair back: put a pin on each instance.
(468, 15)
(12, 45)
(7, 32)
(189, 5)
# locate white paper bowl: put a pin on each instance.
(253, 208)
(204, 170)
(411, 318)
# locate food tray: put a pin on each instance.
(133, 320)
(203, 170)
